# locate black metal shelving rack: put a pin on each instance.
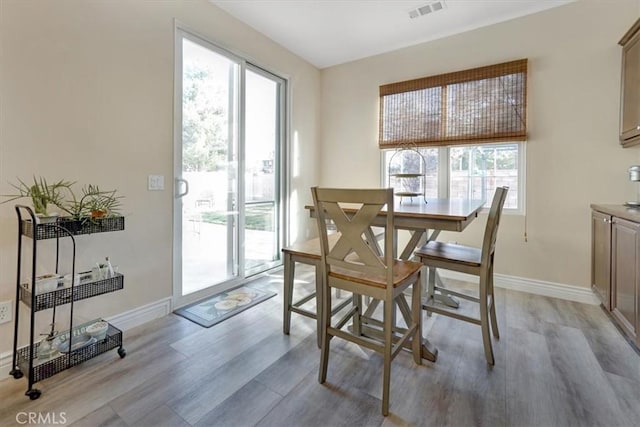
(24, 358)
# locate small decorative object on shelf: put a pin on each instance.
(92, 204)
(47, 347)
(408, 173)
(60, 351)
(98, 330)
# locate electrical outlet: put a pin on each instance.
(5, 311)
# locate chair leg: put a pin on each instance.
(389, 307)
(289, 267)
(319, 304)
(431, 286)
(492, 307)
(484, 319)
(357, 316)
(325, 297)
(416, 317)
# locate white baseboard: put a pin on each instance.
(124, 321)
(532, 286)
(141, 315)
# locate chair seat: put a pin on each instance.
(310, 248)
(450, 253)
(402, 270)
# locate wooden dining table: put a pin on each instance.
(424, 221)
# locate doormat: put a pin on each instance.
(222, 306)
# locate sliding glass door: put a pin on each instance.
(228, 179)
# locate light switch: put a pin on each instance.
(156, 182)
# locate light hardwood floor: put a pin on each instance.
(558, 363)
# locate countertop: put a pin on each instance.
(620, 211)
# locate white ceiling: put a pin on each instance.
(331, 32)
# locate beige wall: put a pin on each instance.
(573, 157)
(87, 95)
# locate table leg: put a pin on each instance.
(419, 238)
(429, 351)
(442, 296)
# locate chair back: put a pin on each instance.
(352, 250)
(491, 230)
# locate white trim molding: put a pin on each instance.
(124, 321)
(141, 315)
(5, 365)
(532, 286)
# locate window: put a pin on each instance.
(468, 125)
(471, 171)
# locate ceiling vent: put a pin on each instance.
(427, 9)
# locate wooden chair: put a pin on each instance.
(355, 266)
(470, 260)
(307, 252)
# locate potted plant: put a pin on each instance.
(93, 203)
(104, 203)
(42, 194)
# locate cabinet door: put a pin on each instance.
(625, 273)
(630, 94)
(601, 257)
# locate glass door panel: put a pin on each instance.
(208, 168)
(263, 129)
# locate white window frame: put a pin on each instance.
(443, 174)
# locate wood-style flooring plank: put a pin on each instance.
(104, 416)
(479, 389)
(245, 407)
(285, 373)
(162, 416)
(534, 397)
(627, 392)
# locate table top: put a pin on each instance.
(442, 214)
(456, 209)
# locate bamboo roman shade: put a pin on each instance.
(486, 104)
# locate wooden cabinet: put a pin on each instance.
(615, 264)
(601, 257)
(630, 87)
(625, 275)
